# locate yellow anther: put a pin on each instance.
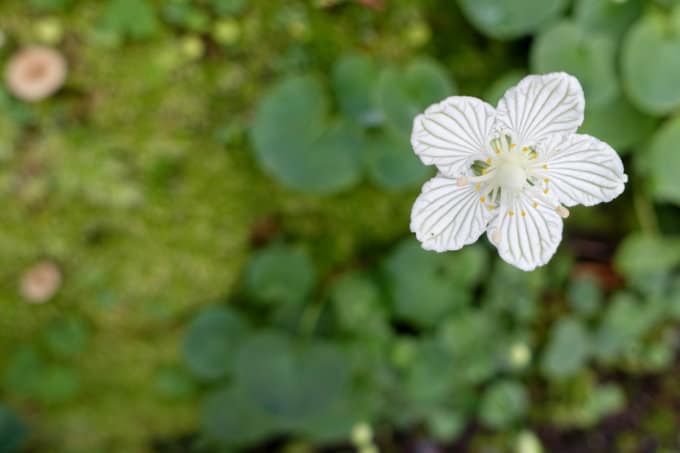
(535, 204)
(545, 166)
(512, 145)
(545, 180)
(545, 190)
(482, 199)
(490, 207)
(478, 187)
(488, 161)
(523, 214)
(525, 148)
(511, 213)
(498, 151)
(483, 171)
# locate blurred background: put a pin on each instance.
(204, 240)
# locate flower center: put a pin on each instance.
(510, 173)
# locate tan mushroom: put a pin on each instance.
(40, 282)
(35, 73)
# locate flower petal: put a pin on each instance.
(526, 232)
(452, 133)
(581, 169)
(447, 217)
(540, 106)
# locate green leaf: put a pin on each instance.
(618, 123)
(391, 163)
(229, 417)
(510, 19)
(211, 342)
(495, 92)
(229, 7)
(445, 425)
(174, 383)
(67, 336)
(288, 381)
(472, 341)
(279, 274)
(502, 404)
(58, 384)
(405, 93)
(661, 162)
(640, 255)
(135, 19)
(13, 431)
(567, 350)
(607, 16)
(295, 142)
(622, 327)
(355, 77)
(651, 64)
(51, 6)
(424, 285)
(585, 295)
(358, 306)
(588, 56)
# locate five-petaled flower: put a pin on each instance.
(510, 171)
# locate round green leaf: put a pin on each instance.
(291, 381)
(585, 295)
(279, 274)
(211, 341)
(510, 19)
(357, 304)
(392, 164)
(651, 64)
(567, 350)
(67, 336)
(58, 384)
(588, 56)
(13, 431)
(229, 417)
(503, 403)
(640, 255)
(609, 16)
(403, 94)
(618, 123)
(424, 285)
(662, 162)
(295, 142)
(354, 79)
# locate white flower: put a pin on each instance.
(510, 171)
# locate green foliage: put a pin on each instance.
(211, 342)
(134, 19)
(506, 20)
(296, 143)
(567, 350)
(279, 274)
(503, 404)
(13, 431)
(587, 55)
(661, 162)
(651, 63)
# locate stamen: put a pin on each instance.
(478, 187)
(562, 211)
(535, 205)
(482, 199)
(545, 180)
(525, 149)
(545, 190)
(511, 213)
(462, 181)
(512, 146)
(523, 213)
(488, 161)
(545, 166)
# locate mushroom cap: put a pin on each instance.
(34, 73)
(40, 282)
